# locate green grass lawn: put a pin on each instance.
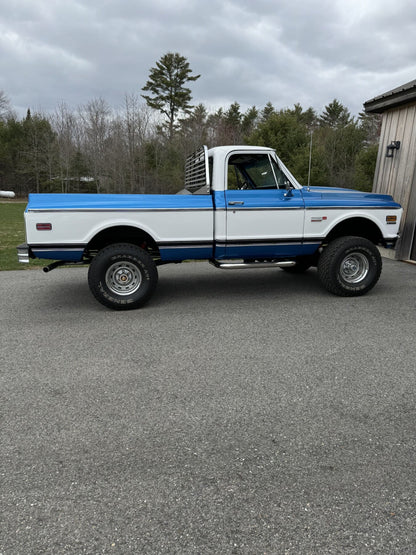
(12, 233)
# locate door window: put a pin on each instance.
(252, 171)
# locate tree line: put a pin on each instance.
(141, 147)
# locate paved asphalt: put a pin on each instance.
(238, 412)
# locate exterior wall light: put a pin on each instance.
(394, 145)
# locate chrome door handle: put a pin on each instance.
(233, 202)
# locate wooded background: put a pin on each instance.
(95, 148)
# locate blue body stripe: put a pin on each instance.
(197, 252)
(178, 252)
(281, 250)
(92, 202)
(58, 253)
(238, 250)
(315, 197)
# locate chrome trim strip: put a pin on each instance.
(359, 207)
(57, 248)
(298, 239)
(262, 208)
(185, 245)
(259, 243)
(233, 208)
(239, 243)
(173, 209)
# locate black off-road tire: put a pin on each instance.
(349, 266)
(122, 276)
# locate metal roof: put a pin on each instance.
(404, 94)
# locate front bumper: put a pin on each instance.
(390, 243)
(23, 253)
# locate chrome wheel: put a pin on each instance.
(123, 278)
(354, 268)
(349, 266)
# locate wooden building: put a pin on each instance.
(396, 161)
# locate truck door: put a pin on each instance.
(264, 214)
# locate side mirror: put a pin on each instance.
(289, 193)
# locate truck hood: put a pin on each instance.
(339, 197)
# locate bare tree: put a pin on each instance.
(66, 126)
(6, 111)
(95, 117)
(116, 160)
(136, 127)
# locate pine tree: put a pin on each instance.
(166, 84)
(267, 111)
(335, 115)
(249, 121)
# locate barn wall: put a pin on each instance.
(397, 176)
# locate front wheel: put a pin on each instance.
(122, 276)
(349, 266)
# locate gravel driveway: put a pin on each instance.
(238, 412)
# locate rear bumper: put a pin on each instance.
(71, 253)
(23, 253)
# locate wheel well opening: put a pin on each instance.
(357, 227)
(122, 234)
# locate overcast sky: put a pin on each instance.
(249, 51)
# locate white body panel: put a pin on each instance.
(319, 222)
(79, 227)
(264, 224)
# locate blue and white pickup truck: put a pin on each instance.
(241, 208)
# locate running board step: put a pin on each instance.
(247, 265)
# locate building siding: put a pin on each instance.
(396, 176)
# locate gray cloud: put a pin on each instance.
(250, 52)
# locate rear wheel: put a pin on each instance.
(349, 266)
(122, 276)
